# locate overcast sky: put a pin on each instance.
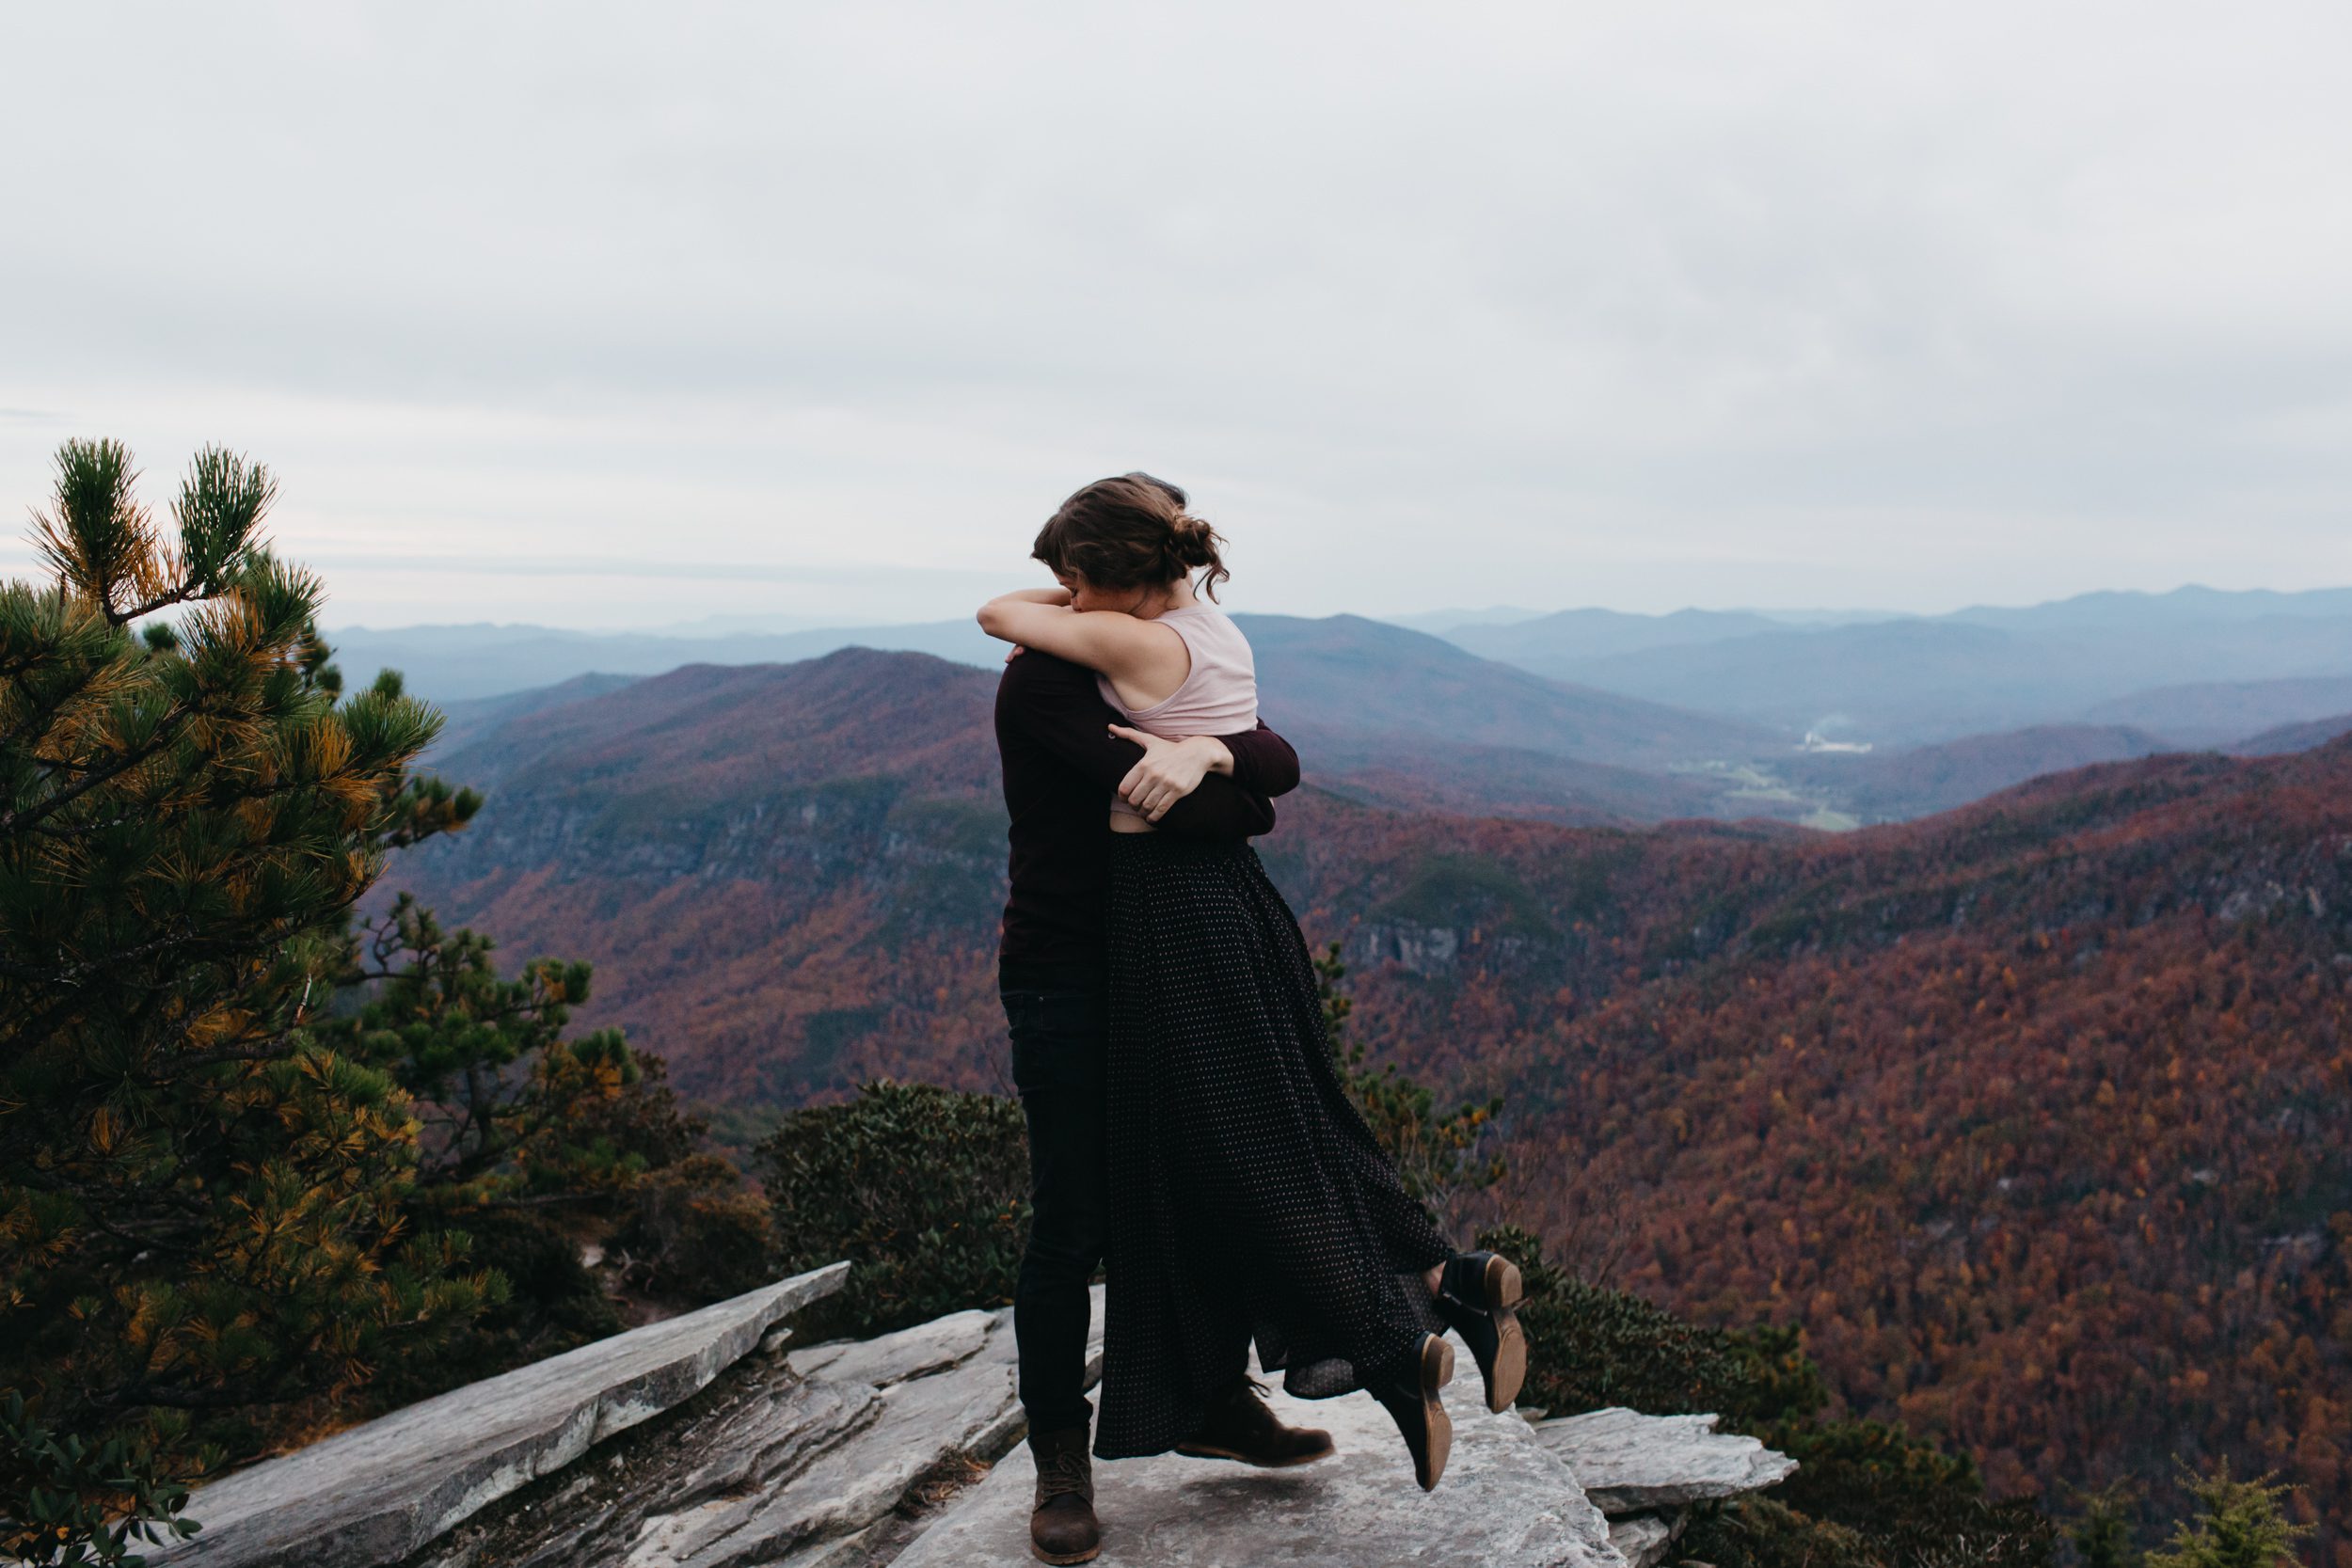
(589, 315)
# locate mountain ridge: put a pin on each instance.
(1898, 680)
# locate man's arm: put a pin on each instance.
(1172, 770)
(1264, 762)
(1055, 703)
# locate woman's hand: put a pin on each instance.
(1170, 771)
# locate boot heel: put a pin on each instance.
(1437, 1370)
(1505, 1289)
(1437, 1364)
(1508, 1374)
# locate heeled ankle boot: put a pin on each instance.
(1478, 1296)
(1407, 1390)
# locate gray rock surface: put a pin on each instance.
(1505, 1502)
(1629, 1462)
(1643, 1538)
(376, 1493)
(822, 1458)
(930, 1347)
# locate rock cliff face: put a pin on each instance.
(709, 1441)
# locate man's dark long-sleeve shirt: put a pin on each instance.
(1062, 765)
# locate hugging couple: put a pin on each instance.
(1187, 1127)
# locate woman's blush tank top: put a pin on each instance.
(1220, 691)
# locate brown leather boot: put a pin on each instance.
(1241, 1427)
(1479, 1295)
(1062, 1527)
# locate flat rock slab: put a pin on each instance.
(1629, 1462)
(888, 1358)
(1505, 1502)
(378, 1492)
(826, 1457)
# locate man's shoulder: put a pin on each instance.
(1034, 674)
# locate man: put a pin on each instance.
(1062, 765)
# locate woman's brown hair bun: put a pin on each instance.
(1129, 533)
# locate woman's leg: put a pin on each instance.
(1271, 1195)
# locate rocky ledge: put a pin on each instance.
(378, 1492)
(709, 1441)
(1645, 1471)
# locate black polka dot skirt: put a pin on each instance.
(1247, 1197)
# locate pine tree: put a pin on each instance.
(513, 1111)
(246, 1141)
(2239, 1524)
(532, 1141)
(2103, 1536)
(200, 1204)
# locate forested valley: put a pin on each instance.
(2030, 1114)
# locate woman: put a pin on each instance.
(1249, 1198)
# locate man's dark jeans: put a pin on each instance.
(1059, 1039)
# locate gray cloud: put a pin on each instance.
(1649, 306)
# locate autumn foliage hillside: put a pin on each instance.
(2032, 1113)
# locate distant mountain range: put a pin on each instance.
(2194, 668)
(1579, 636)
(2029, 1113)
(1359, 681)
(838, 784)
(2217, 713)
(461, 663)
(1391, 715)
(2102, 659)
(2294, 738)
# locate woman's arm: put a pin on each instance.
(1169, 770)
(1131, 652)
(1260, 761)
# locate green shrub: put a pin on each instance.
(1765, 1532)
(924, 1190)
(694, 1230)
